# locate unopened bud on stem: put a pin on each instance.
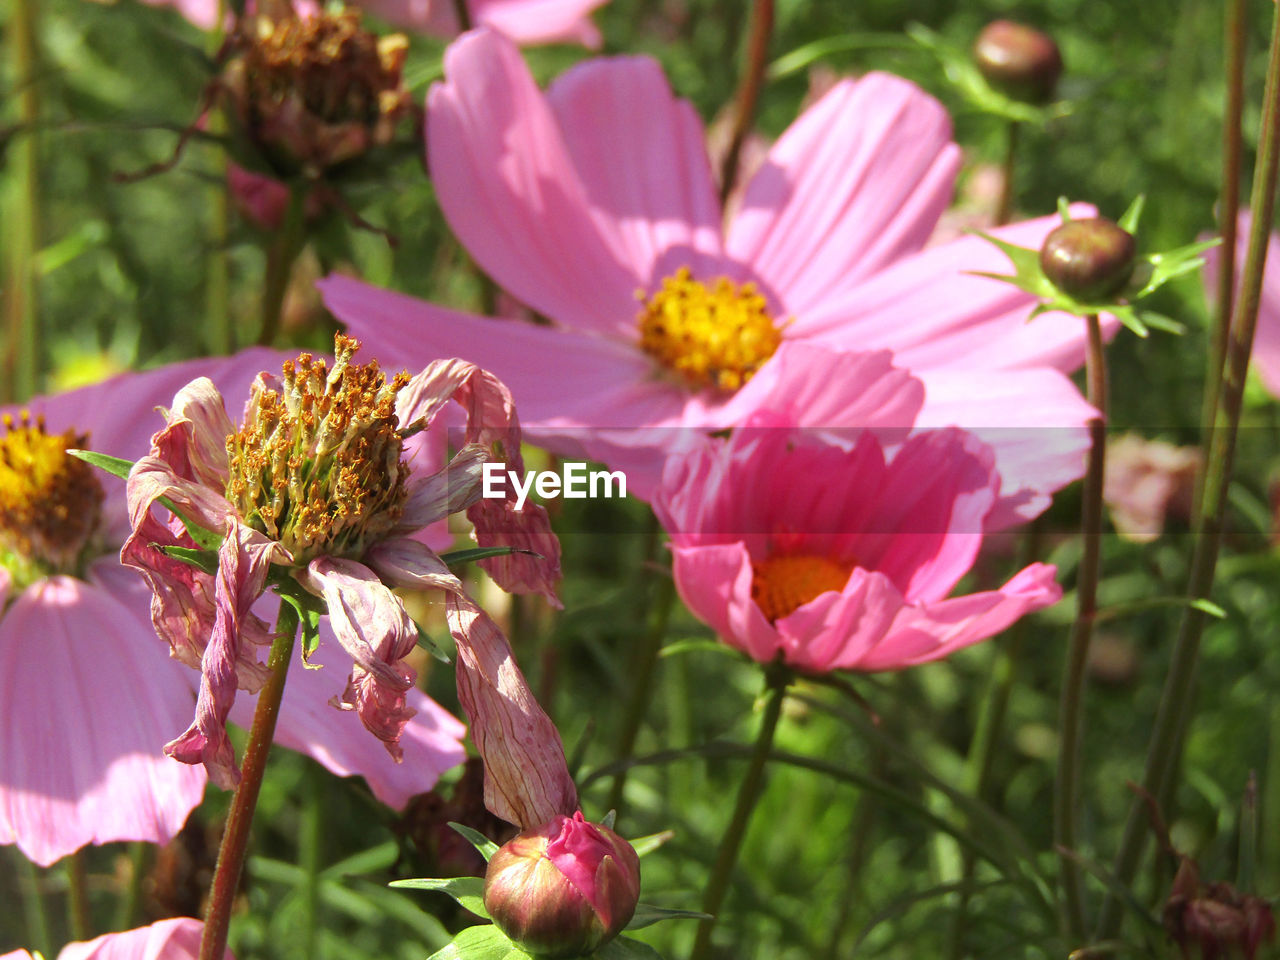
(1019, 61)
(1089, 259)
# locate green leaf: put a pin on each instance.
(483, 844)
(471, 555)
(116, 466)
(468, 891)
(485, 942)
(1155, 603)
(624, 948)
(694, 646)
(1128, 221)
(206, 560)
(650, 843)
(803, 56)
(646, 915)
(309, 609)
(426, 643)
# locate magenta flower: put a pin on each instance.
(313, 483)
(598, 192)
(176, 939)
(76, 629)
(840, 555)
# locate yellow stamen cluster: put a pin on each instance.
(717, 337)
(50, 502)
(781, 584)
(317, 465)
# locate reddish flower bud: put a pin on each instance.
(1019, 61)
(1088, 259)
(1216, 919)
(563, 889)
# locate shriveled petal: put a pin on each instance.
(371, 624)
(451, 489)
(858, 181)
(152, 478)
(89, 700)
(642, 159)
(526, 778)
(174, 939)
(510, 192)
(410, 564)
(243, 562)
(194, 439)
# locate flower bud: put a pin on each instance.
(563, 889)
(1019, 61)
(1088, 259)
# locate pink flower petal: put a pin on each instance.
(194, 439)
(451, 489)
(858, 181)
(530, 22)
(526, 778)
(641, 156)
(509, 190)
(175, 939)
(1265, 358)
(714, 581)
(90, 698)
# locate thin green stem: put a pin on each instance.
(22, 219)
(1066, 794)
(777, 678)
(285, 248)
(217, 291)
(1004, 206)
(235, 838)
(127, 906)
(78, 918)
(34, 914)
(748, 93)
(1228, 208)
(1176, 699)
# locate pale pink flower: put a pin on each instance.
(1145, 479)
(1265, 359)
(313, 483)
(840, 555)
(176, 939)
(580, 199)
(70, 642)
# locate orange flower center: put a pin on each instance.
(50, 503)
(715, 336)
(781, 584)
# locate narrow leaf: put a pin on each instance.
(624, 948)
(471, 555)
(206, 560)
(646, 915)
(483, 844)
(467, 891)
(485, 942)
(1128, 221)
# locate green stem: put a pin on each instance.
(217, 293)
(1176, 699)
(33, 907)
(1071, 709)
(777, 678)
(127, 906)
(1228, 210)
(1004, 206)
(310, 856)
(235, 838)
(643, 669)
(285, 248)
(748, 93)
(21, 305)
(78, 897)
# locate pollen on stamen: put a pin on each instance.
(716, 336)
(50, 502)
(782, 584)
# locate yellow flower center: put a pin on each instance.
(317, 465)
(50, 503)
(783, 583)
(718, 336)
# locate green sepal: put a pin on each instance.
(119, 467)
(485, 942)
(1128, 221)
(486, 847)
(206, 560)
(468, 891)
(650, 843)
(963, 74)
(426, 643)
(609, 820)
(624, 948)
(472, 554)
(646, 915)
(310, 609)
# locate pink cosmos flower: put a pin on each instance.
(840, 555)
(1145, 480)
(176, 939)
(1266, 338)
(77, 630)
(582, 199)
(313, 483)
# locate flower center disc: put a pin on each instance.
(710, 337)
(782, 584)
(50, 502)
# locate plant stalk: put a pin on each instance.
(1066, 795)
(1177, 697)
(78, 896)
(284, 250)
(748, 93)
(235, 838)
(777, 678)
(1004, 206)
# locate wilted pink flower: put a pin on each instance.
(598, 192)
(1265, 358)
(176, 939)
(75, 632)
(563, 889)
(1216, 919)
(840, 555)
(313, 482)
(1145, 479)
